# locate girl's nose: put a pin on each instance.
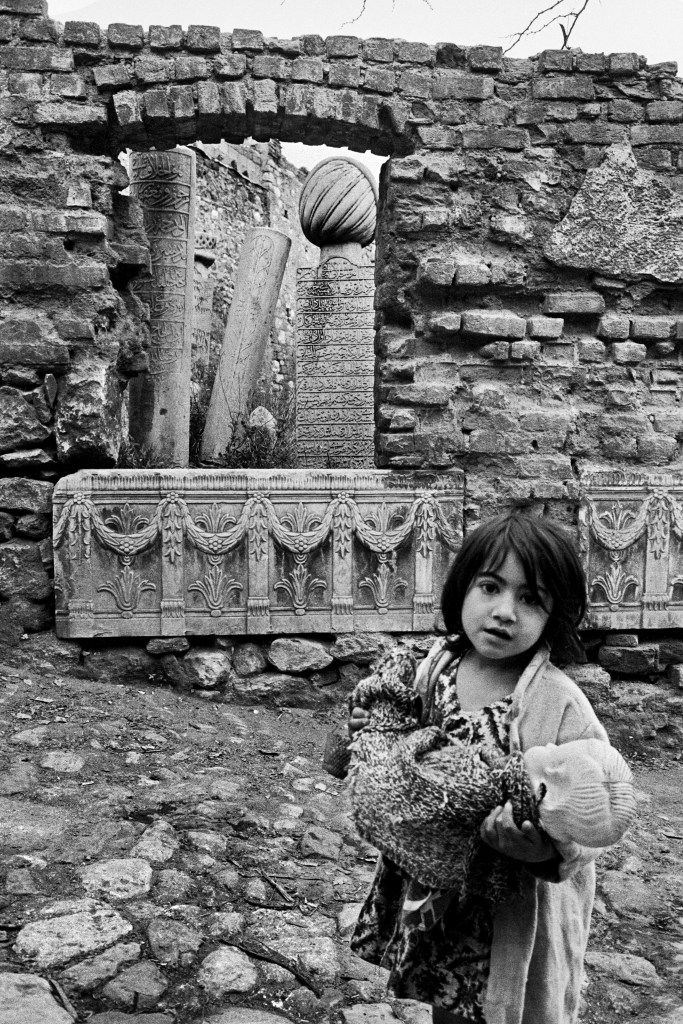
(505, 607)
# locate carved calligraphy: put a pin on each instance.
(164, 185)
(335, 364)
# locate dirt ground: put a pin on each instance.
(263, 849)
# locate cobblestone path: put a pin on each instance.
(168, 858)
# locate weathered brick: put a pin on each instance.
(437, 137)
(42, 275)
(38, 30)
(445, 324)
(590, 350)
(630, 661)
(299, 101)
(544, 327)
(128, 109)
(233, 98)
(27, 7)
(342, 46)
(153, 69)
(156, 105)
(112, 76)
(419, 394)
(5, 29)
(625, 111)
(473, 273)
(413, 53)
(495, 138)
(415, 83)
(71, 86)
(628, 352)
(312, 45)
(36, 58)
(266, 66)
(29, 85)
(230, 65)
(493, 323)
(307, 69)
(286, 47)
(380, 50)
(486, 58)
(82, 33)
(652, 134)
(596, 133)
(574, 304)
(208, 98)
(525, 350)
(664, 110)
(130, 36)
(624, 63)
(613, 325)
(555, 60)
(182, 102)
(247, 39)
(344, 74)
(203, 38)
(436, 271)
(70, 117)
(190, 68)
(451, 85)
(380, 80)
(265, 96)
(165, 37)
(496, 351)
(669, 422)
(573, 87)
(593, 63)
(654, 327)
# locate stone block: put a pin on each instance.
(344, 74)
(445, 324)
(208, 99)
(435, 271)
(415, 83)
(165, 37)
(628, 353)
(625, 112)
(190, 68)
(307, 69)
(574, 87)
(127, 109)
(230, 65)
(652, 327)
(36, 58)
(312, 45)
(380, 80)
(82, 33)
(511, 228)
(591, 63)
(112, 76)
(130, 36)
(674, 674)
(555, 60)
(5, 29)
(153, 69)
(493, 323)
(574, 304)
(525, 350)
(265, 98)
(203, 38)
(495, 138)
(427, 394)
(21, 494)
(451, 85)
(630, 661)
(412, 53)
(656, 134)
(614, 327)
(621, 640)
(624, 63)
(544, 327)
(656, 449)
(380, 50)
(472, 274)
(233, 98)
(596, 133)
(342, 46)
(247, 39)
(266, 66)
(664, 110)
(486, 58)
(497, 351)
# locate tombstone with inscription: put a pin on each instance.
(164, 184)
(257, 286)
(335, 319)
(204, 259)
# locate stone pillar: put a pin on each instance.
(335, 319)
(204, 259)
(257, 286)
(164, 183)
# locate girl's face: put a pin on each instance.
(500, 615)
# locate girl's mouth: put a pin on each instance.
(499, 634)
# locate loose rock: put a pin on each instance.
(294, 655)
(118, 879)
(139, 987)
(54, 942)
(227, 970)
(28, 998)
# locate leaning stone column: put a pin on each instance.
(164, 184)
(257, 286)
(335, 320)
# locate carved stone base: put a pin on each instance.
(165, 552)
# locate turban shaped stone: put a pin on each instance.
(338, 203)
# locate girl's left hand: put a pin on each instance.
(499, 831)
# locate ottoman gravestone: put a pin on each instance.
(335, 318)
(257, 286)
(204, 259)
(164, 183)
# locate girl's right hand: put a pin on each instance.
(358, 719)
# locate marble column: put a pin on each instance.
(164, 183)
(250, 319)
(335, 319)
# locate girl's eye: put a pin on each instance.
(530, 599)
(488, 587)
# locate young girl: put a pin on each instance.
(515, 591)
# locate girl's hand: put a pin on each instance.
(357, 720)
(526, 844)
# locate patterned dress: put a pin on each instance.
(439, 955)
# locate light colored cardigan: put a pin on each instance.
(539, 938)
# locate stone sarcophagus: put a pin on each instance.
(631, 532)
(167, 552)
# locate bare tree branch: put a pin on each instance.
(363, 8)
(533, 28)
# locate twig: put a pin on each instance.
(279, 888)
(533, 29)
(252, 947)
(672, 835)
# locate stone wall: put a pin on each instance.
(529, 263)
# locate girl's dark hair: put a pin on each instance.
(547, 555)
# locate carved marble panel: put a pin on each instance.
(335, 364)
(167, 552)
(631, 531)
